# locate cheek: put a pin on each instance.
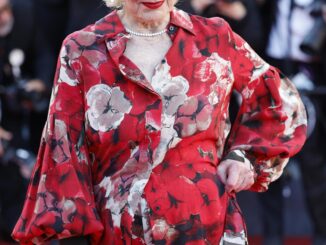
(6, 16)
(132, 8)
(131, 5)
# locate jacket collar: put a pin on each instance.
(182, 19)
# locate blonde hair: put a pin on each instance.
(113, 3)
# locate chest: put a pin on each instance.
(147, 53)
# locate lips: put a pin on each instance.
(153, 5)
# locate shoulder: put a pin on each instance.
(104, 28)
(199, 24)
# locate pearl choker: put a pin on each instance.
(141, 34)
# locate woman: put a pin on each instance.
(134, 151)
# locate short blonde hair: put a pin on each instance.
(113, 3)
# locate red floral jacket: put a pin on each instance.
(125, 160)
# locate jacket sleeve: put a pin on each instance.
(271, 123)
(60, 201)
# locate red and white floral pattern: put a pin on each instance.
(107, 107)
(124, 160)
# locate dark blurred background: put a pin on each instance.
(289, 34)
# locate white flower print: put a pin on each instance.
(213, 64)
(224, 77)
(72, 51)
(82, 46)
(183, 18)
(95, 57)
(66, 74)
(290, 105)
(107, 107)
(162, 229)
(57, 136)
(169, 138)
(76, 46)
(194, 115)
(260, 66)
(173, 92)
(172, 89)
(46, 201)
(236, 238)
(123, 190)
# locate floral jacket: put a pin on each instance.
(124, 160)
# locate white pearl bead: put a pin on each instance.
(140, 34)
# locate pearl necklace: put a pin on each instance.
(140, 34)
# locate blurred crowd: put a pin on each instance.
(289, 34)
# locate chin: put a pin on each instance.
(154, 15)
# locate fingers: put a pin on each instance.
(222, 171)
(247, 180)
(233, 180)
(235, 175)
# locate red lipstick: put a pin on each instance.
(153, 5)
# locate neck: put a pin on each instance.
(143, 26)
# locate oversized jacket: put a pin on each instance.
(125, 160)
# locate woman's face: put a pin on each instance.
(148, 11)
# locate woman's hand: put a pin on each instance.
(237, 176)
